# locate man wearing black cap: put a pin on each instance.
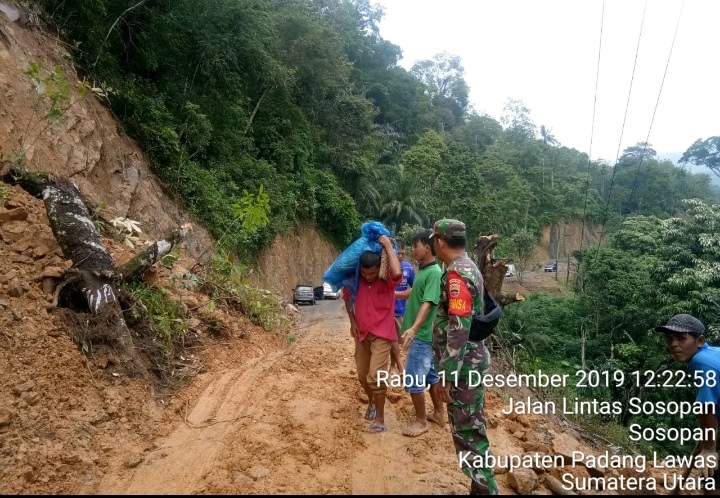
(685, 340)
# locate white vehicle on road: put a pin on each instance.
(328, 292)
(510, 270)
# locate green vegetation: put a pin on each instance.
(54, 100)
(262, 114)
(406, 233)
(166, 316)
(5, 194)
(302, 105)
(228, 282)
(650, 270)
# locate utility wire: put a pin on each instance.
(592, 127)
(622, 131)
(657, 102)
(647, 138)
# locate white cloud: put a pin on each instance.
(545, 54)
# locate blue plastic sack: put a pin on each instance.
(345, 270)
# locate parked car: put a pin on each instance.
(551, 267)
(510, 270)
(303, 294)
(319, 292)
(328, 292)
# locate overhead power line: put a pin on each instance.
(592, 127)
(652, 120)
(622, 131)
(657, 102)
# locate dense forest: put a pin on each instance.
(262, 113)
(306, 98)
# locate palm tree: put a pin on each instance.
(403, 201)
(367, 196)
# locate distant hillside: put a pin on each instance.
(675, 157)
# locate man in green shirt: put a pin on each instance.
(417, 335)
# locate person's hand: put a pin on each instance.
(709, 459)
(354, 329)
(696, 451)
(384, 240)
(444, 392)
(408, 337)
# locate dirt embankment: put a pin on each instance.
(300, 257)
(107, 166)
(558, 241)
(67, 418)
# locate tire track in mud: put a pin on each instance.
(292, 421)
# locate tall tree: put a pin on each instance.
(478, 133)
(425, 160)
(444, 77)
(641, 151)
(547, 137)
(704, 153)
(523, 247)
(403, 202)
(517, 121)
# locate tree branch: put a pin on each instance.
(113, 27)
(135, 268)
(257, 107)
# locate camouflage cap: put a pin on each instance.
(449, 229)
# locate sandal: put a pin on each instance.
(375, 429)
(370, 414)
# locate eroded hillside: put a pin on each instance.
(87, 144)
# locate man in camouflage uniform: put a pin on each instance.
(455, 356)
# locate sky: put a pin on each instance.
(545, 53)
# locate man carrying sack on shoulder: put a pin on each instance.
(372, 325)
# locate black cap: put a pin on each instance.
(683, 323)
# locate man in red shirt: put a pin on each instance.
(372, 326)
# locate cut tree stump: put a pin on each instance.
(493, 270)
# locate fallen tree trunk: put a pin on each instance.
(75, 232)
(93, 273)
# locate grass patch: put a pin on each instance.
(5, 194)
(166, 316)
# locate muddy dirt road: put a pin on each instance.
(292, 422)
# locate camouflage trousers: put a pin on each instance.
(467, 422)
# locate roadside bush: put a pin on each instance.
(229, 283)
(166, 316)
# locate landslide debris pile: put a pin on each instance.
(68, 411)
